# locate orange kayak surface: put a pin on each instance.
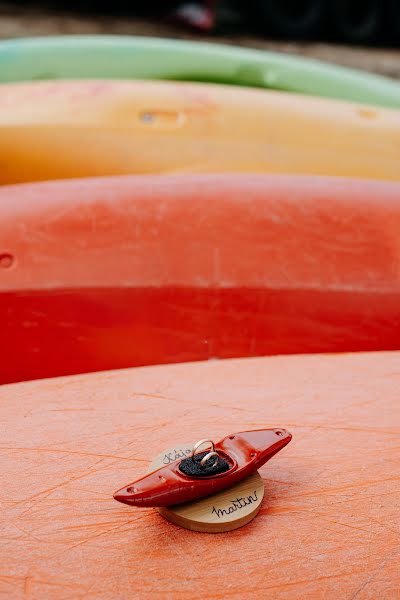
(328, 521)
(119, 272)
(95, 128)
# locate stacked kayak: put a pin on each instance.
(78, 129)
(129, 57)
(262, 252)
(117, 272)
(145, 223)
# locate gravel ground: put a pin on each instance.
(34, 21)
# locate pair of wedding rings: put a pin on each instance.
(208, 455)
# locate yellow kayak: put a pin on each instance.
(87, 128)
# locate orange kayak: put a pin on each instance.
(93, 128)
(328, 524)
(118, 272)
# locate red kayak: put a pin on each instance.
(118, 272)
(237, 456)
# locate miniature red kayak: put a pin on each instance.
(231, 460)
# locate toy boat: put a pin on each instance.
(76, 129)
(129, 57)
(126, 271)
(233, 459)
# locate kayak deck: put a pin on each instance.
(331, 494)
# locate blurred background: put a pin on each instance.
(357, 33)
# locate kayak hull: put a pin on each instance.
(96, 128)
(118, 272)
(130, 57)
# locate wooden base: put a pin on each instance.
(221, 512)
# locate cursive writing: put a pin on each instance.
(235, 505)
(174, 455)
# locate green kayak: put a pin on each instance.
(124, 57)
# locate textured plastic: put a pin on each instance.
(119, 272)
(328, 526)
(75, 129)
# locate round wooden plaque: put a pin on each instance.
(221, 512)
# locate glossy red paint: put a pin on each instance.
(247, 451)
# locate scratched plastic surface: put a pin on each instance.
(130, 57)
(329, 523)
(87, 128)
(122, 272)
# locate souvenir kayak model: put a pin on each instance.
(127, 271)
(125, 57)
(231, 460)
(74, 129)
